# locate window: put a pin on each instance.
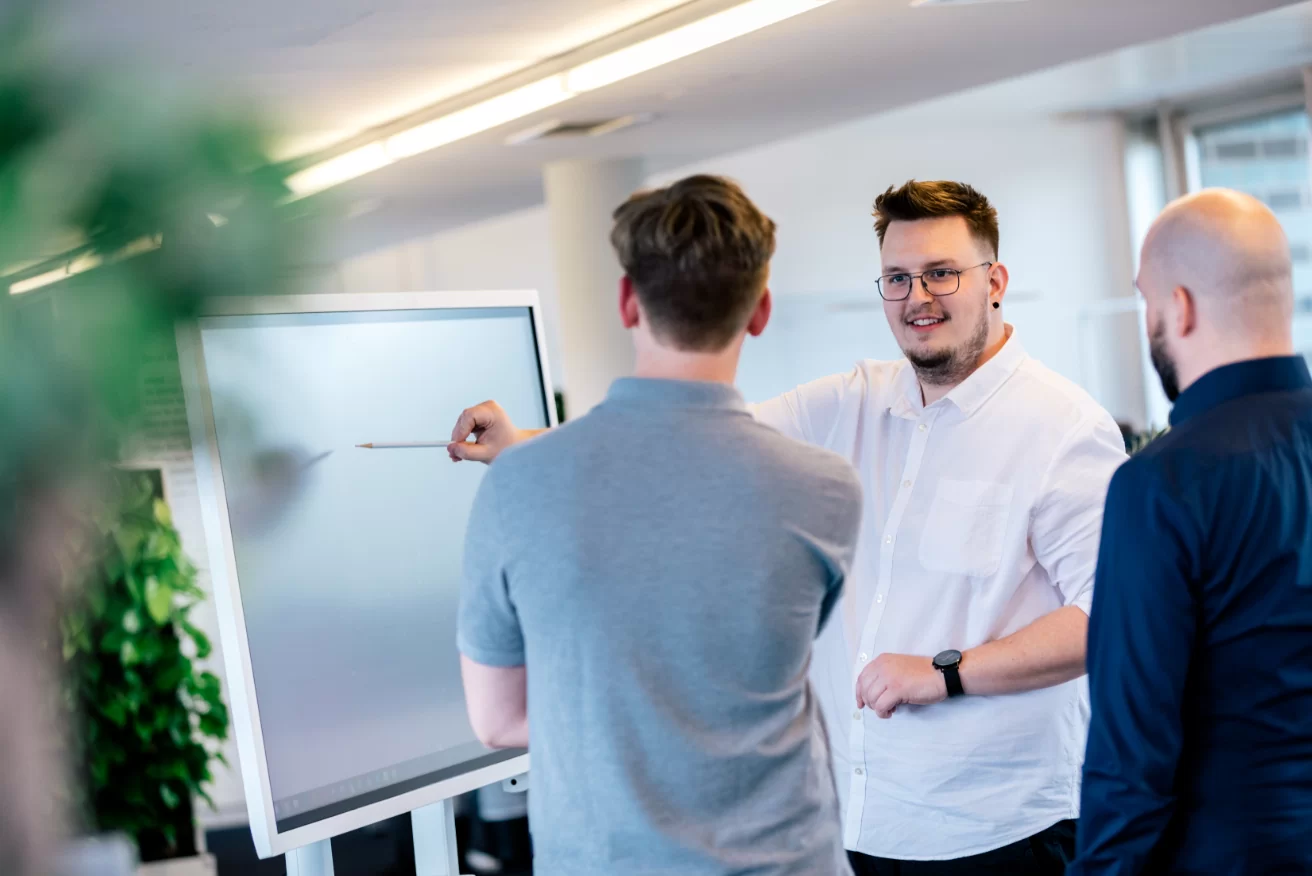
(1267, 157)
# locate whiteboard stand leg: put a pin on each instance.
(435, 840)
(316, 859)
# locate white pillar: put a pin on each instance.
(1175, 165)
(581, 196)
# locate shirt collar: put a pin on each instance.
(676, 394)
(908, 401)
(1229, 382)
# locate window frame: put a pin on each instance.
(1188, 125)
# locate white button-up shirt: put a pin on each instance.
(982, 514)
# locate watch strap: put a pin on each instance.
(952, 677)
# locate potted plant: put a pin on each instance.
(149, 722)
(1141, 440)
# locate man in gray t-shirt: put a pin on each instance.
(643, 584)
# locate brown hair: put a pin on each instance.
(938, 199)
(698, 253)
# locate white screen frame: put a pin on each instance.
(243, 707)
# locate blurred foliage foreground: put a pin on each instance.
(91, 167)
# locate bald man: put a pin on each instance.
(1200, 639)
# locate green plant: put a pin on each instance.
(150, 722)
(1143, 439)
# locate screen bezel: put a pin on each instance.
(244, 708)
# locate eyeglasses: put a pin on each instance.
(939, 282)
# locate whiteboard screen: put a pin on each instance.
(348, 560)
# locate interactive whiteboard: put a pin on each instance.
(337, 567)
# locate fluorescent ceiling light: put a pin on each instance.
(38, 281)
(491, 113)
(684, 41)
(528, 99)
(348, 165)
(84, 262)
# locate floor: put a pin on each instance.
(384, 849)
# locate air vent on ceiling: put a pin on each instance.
(554, 129)
(958, 2)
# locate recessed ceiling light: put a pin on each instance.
(363, 207)
(557, 129)
(959, 2)
(740, 19)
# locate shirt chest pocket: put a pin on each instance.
(966, 528)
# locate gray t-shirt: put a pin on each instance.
(661, 567)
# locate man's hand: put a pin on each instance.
(890, 680)
(490, 427)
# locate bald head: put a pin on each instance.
(1218, 284)
(1229, 251)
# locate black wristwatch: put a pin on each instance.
(947, 662)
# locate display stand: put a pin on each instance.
(316, 859)
(435, 846)
(435, 840)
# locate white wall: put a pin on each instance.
(507, 252)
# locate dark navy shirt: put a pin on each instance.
(1200, 639)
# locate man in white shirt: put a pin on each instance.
(963, 625)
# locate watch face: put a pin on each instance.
(947, 658)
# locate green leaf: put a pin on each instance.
(157, 546)
(159, 600)
(129, 538)
(162, 513)
(131, 622)
(204, 648)
(127, 654)
(116, 712)
(169, 796)
(209, 801)
(149, 649)
(213, 725)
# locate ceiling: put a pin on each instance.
(326, 69)
(1249, 57)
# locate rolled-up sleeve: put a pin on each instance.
(489, 631)
(1067, 522)
(808, 412)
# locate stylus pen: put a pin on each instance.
(382, 445)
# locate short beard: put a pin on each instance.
(950, 367)
(1163, 362)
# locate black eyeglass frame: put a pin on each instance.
(879, 283)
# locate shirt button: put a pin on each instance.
(860, 772)
(907, 484)
(863, 658)
(923, 427)
(879, 598)
(856, 716)
(888, 540)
